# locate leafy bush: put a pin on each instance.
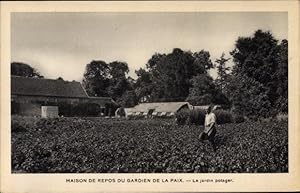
(80, 109)
(189, 117)
(197, 117)
(181, 117)
(223, 116)
(110, 109)
(87, 109)
(65, 109)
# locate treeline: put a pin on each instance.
(256, 84)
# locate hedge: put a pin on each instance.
(78, 110)
(197, 117)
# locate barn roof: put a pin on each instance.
(203, 107)
(159, 107)
(46, 87)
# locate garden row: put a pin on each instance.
(98, 145)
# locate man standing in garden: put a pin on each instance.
(209, 127)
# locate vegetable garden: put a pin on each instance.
(99, 145)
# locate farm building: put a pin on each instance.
(203, 107)
(29, 94)
(161, 109)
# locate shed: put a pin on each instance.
(160, 109)
(49, 111)
(204, 107)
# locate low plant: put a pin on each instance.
(100, 145)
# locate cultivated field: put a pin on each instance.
(98, 145)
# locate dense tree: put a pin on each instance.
(282, 77)
(131, 82)
(118, 69)
(118, 82)
(25, 70)
(256, 86)
(249, 97)
(173, 73)
(96, 78)
(102, 79)
(202, 62)
(167, 77)
(223, 72)
(204, 91)
(128, 99)
(143, 85)
(260, 68)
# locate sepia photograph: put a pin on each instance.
(149, 92)
(149, 96)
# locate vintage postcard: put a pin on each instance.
(150, 96)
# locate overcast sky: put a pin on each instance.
(61, 44)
